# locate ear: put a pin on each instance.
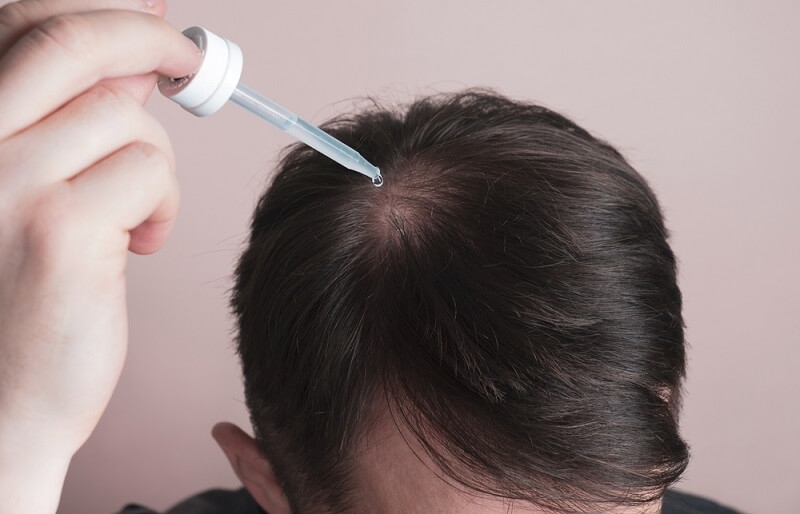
(252, 468)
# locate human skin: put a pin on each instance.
(395, 474)
(85, 176)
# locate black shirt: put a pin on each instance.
(219, 501)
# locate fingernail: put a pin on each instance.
(152, 3)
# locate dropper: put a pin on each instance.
(217, 81)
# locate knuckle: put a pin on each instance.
(153, 159)
(146, 151)
(64, 33)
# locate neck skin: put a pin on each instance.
(396, 475)
(393, 475)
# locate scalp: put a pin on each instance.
(509, 291)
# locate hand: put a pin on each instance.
(85, 175)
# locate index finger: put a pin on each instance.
(67, 54)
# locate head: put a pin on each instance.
(497, 327)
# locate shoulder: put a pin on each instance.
(676, 502)
(214, 501)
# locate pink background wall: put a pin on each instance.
(701, 96)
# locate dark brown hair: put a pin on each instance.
(508, 292)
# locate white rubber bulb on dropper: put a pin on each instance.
(209, 88)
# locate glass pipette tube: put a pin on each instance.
(314, 137)
(217, 81)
